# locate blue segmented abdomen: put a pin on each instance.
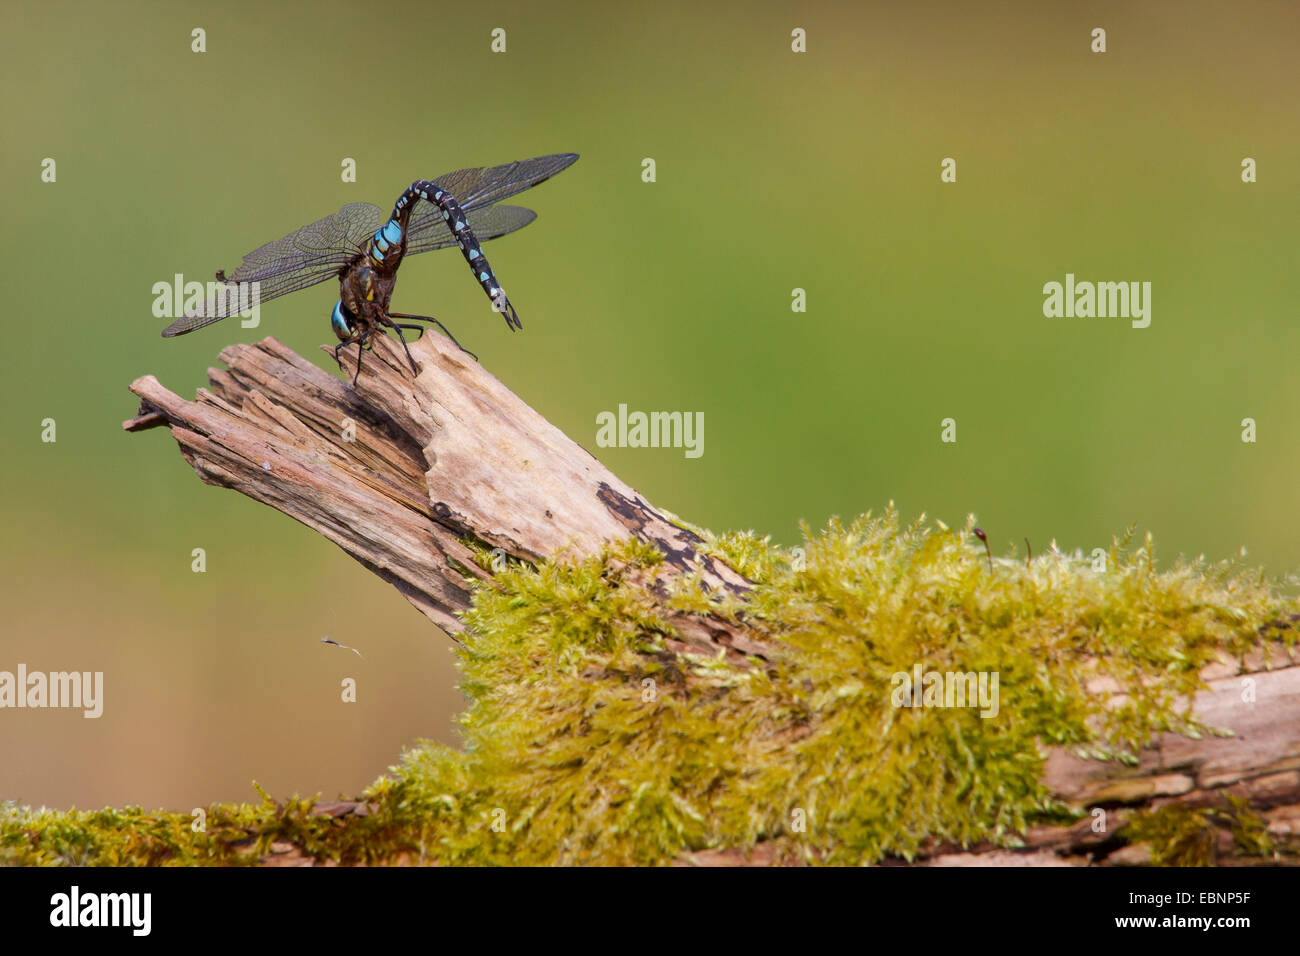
(390, 234)
(469, 245)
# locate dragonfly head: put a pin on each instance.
(343, 321)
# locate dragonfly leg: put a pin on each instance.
(338, 348)
(361, 344)
(398, 327)
(429, 318)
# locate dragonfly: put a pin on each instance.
(363, 251)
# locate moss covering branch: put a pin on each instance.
(592, 736)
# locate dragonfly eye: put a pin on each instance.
(341, 320)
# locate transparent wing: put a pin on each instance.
(314, 253)
(475, 188)
(427, 229)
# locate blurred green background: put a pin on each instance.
(775, 171)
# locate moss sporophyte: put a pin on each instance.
(918, 687)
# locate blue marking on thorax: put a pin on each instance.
(392, 231)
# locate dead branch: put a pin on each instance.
(405, 471)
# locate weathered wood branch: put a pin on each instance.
(403, 470)
(406, 469)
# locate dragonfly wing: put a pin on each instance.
(475, 188)
(313, 254)
(428, 230)
(333, 240)
(224, 300)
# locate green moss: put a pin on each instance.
(586, 740)
(1179, 835)
(232, 834)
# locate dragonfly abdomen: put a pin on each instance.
(388, 244)
(469, 245)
